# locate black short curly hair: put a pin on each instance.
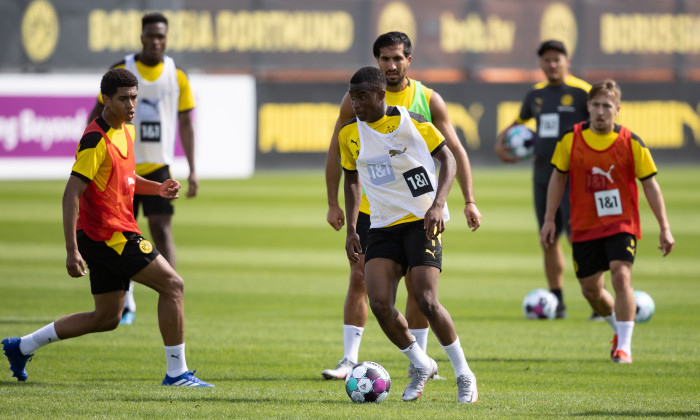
(372, 75)
(116, 78)
(154, 17)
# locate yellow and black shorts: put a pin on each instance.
(595, 255)
(111, 270)
(406, 244)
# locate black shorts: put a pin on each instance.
(109, 270)
(561, 218)
(154, 204)
(595, 255)
(362, 229)
(406, 244)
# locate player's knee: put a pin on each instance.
(357, 285)
(107, 322)
(620, 281)
(591, 293)
(357, 277)
(621, 285)
(176, 286)
(429, 307)
(381, 309)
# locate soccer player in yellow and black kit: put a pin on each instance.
(165, 103)
(391, 150)
(100, 229)
(556, 105)
(392, 51)
(603, 161)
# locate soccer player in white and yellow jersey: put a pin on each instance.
(392, 51)
(391, 151)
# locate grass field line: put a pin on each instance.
(204, 256)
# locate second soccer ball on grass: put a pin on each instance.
(540, 304)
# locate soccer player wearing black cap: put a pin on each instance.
(556, 105)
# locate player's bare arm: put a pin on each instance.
(434, 222)
(353, 196)
(441, 120)
(335, 216)
(167, 189)
(652, 191)
(555, 191)
(71, 197)
(184, 119)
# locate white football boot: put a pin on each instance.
(341, 370)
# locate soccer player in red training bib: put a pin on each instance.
(165, 106)
(603, 161)
(100, 229)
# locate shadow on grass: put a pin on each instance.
(25, 384)
(215, 399)
(10, 321)
(536, 360)
(637, 413)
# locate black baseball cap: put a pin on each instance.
(552, 44)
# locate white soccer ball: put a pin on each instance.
(367, 382)
(645, 306)
(520, 141)
(540, 304)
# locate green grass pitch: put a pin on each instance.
(266, 279)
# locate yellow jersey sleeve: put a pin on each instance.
(644, 166)
(561, 159)
(427, 92)
(349, 137)
(432, 136)
(186, 101)
(349, 140)
(89, 157)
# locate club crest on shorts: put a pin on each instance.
(145, 246)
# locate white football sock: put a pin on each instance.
(175, 357)
(459, 362)
(352, 336)
(612, 321)
(421, 335)
(624, 336)
(416, 355)
(129, 302)
(39, 338)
